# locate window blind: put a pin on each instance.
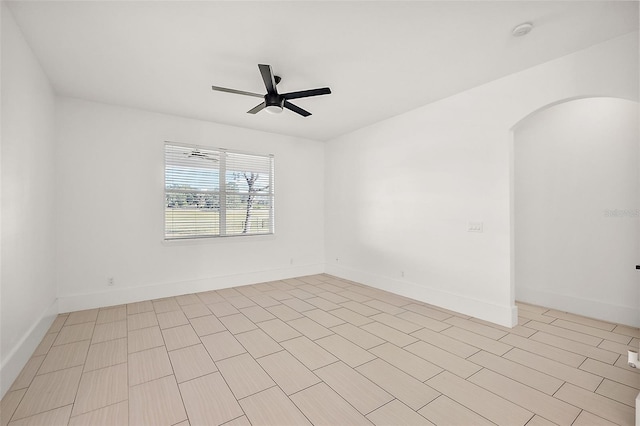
(215, 192)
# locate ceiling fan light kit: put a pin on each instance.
(273, 109)
(274, 102)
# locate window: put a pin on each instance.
(213, 192)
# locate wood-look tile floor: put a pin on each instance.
(322, 350)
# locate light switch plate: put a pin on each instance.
(475, 226)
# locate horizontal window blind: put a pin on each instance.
(217, 192)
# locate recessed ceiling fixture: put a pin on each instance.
(274, 101)
(522, 29)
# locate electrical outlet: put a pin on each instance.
(110, 281)
(402, 274)
(337, 260)
(291, 261)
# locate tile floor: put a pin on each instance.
(321, 350)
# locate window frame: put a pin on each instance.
(222, 193)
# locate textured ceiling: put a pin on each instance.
(379, 58)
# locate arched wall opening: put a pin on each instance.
(574, 208)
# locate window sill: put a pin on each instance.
(218, 240)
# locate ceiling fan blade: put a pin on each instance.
(237, 92)
(296, 109)
(307, 93)
(269, 79)
(257, 108)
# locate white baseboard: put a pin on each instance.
(499, 314)
(20, 354)
(576, 305)
(118, 296)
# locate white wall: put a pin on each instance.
(400, 193)
(110, 183)
(576, 203)
(27, 281)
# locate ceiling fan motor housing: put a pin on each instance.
(273, 99)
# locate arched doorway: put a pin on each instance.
(575, 200)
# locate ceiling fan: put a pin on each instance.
(274, 102)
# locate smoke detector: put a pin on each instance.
(522, 29)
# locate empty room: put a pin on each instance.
(319, 212)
